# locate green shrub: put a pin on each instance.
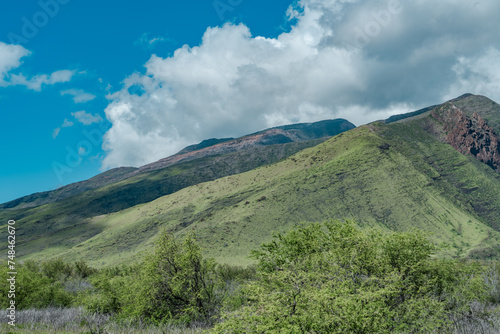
(34, 289)
(175, 285)
(319, 278)
(106, 297)
(335, 278)
(56, 269)
(83, 270)
(228, 273)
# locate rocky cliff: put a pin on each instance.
(470, 135)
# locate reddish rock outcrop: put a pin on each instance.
(469, 135)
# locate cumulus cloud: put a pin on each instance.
(86, 118)
(341, 58)
(79, 95)
(10, 59)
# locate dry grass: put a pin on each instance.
(477, 322)
(76, 321)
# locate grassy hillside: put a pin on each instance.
(395, 177)
(63, 223)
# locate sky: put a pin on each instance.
(86, 86)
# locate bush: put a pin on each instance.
(229, 273)
(175, 285)
(83, 270)
(107, 295)
(320, 278)
(56, 269)
(34, 289)
(335, 278)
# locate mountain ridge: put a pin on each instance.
(395, 177)
(279, 135)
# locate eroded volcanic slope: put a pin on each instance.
(469, 134)
(429, 171)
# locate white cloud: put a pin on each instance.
(86, 118)
(79, 96)
(55, 133)
(10, 59)
(148, 41)
(342, 58)
(478, 74)
(66, 124)
(36, 82)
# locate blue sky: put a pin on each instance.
(103, 42)
(86, 86)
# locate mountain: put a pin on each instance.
(435, 170)
(59, 194)
(205, 143)
(44, 215)
(302, 132)
(400, 117)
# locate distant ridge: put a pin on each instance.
(101, 180)
(400, 117)
(203, 144)
(293, 133)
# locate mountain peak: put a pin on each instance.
(463, 96)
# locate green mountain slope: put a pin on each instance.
(58, 217)
(54, 222)
(396, 176)
(255, 143)
(392, 188)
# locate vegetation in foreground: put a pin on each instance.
(319, 278)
